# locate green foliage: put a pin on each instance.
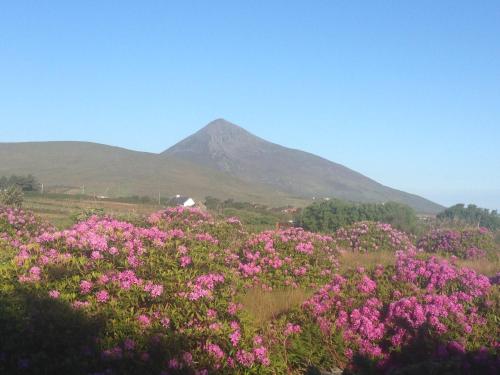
(11, 196)
(256, 217)
(471, 215)
(25, 183)
(331, 215)
(87, 213)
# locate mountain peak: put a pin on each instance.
(225, 147)
(222, 126)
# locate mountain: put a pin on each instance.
(221, 160)
(115, 171)
(232, 150)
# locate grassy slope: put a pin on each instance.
(114, 171)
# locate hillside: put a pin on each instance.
(221, 160)
(228, 148)
(114, 171)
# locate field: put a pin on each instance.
(59, 209)
(138, 290)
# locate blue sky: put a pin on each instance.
(405, 92)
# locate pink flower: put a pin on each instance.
(367, 285)
(165, 322)
(102, 296)
(54, 294)
(211, 314)
(291, 329)
(215, 351)
(85, 286)
(235, 337)
(185, 261)
(262, 356)
(233, 308)
(96, 255)
(144, 320)
(245, 358)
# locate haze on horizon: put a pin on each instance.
(407, 95)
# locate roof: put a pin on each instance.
(178, 200)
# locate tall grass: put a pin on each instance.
(352, 260)
(483, 266)
(263, 306)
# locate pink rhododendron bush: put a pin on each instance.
(367, 236)
(465, 244)
(18, 226)
(164, 297)
(413, 314)
(291, 257)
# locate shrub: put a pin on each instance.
(369, 236)
(11, 196)
(464, 243)
(417, 311)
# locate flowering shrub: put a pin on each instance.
(429, 306)
(163, 291)
(109, 297)
(369, 236)
(290, 257)
(18, 226)
(465, 243)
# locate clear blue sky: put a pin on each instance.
(405, 92)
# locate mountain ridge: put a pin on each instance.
(221, 159)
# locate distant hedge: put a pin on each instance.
(328, 216)
(471, 215)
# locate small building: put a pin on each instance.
(179, 200)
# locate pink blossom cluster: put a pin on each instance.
(368, 236)
(291, 253)
(18, 227)
(180, 216)
(203, 286)
(465, 243)
(430, 296)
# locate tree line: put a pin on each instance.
(24, 183)
(471, 215)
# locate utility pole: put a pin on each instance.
(42, 188)
(159, 199)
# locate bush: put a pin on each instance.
(11, 196)
(331, 215)
(402, 317)
(369, 236)
(86, 214)
(464, 243)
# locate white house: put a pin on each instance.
(182, 201)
